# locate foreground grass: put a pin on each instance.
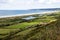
(6, 31)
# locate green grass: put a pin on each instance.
(6, 31)
(32, 22)
(22, 25)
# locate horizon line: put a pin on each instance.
(28, 9)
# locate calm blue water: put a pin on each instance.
(14, 12)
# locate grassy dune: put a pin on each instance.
(46, 27)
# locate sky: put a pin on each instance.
(28, 4)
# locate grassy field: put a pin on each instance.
(39, 20)
(6, 31)
(22, 25)
(36, 30)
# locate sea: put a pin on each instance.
(16, 12)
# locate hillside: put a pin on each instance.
(50, 31)
(46, 27)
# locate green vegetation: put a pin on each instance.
(45, 27)
(22, 25)
(5, 31)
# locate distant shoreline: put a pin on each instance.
(27, 14)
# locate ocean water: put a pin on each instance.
(15, 12)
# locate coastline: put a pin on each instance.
(28, 14)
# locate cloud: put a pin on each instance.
(10, 1)
(41, 1)
(3, 1)
(53, 1)
(28, 4)
(48, 1)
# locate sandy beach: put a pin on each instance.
(27, 14)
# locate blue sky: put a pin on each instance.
(28, 4)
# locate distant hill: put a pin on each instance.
(46, 9)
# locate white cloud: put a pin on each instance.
(41, 1)
(52, 1)
(55, 1)
(28, 4)
(3, 1)
(10, 1)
